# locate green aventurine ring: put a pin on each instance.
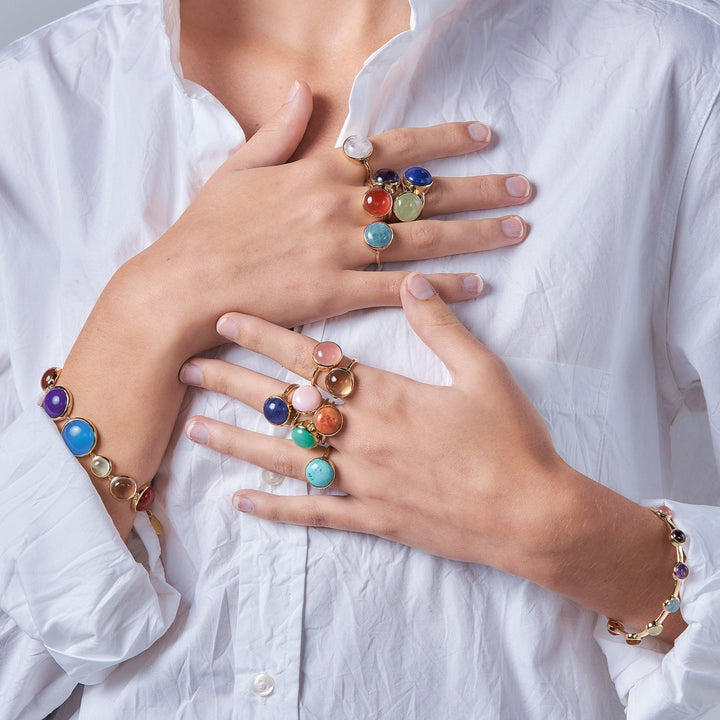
(320, 472)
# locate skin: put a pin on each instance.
(497, 493)
(146, 323)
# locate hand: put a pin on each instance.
(467, 472)
(284, 241)
(451, 470)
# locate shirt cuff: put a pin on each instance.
(66, 577)
(654, 680)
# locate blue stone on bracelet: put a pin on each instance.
(418, 176)
(276, 410)
(319, 473)
(56, 402)
(378, 235)
(672, 605)
(80, 436)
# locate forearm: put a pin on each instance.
(122, 373)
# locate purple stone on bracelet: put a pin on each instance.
(681, 571)
(56, 402)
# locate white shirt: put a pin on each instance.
(608, 315)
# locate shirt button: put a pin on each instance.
(263, 685)
(271, 478)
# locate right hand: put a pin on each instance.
(284, 240)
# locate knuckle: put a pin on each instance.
(314, 516)
(425, 237)
(404, 141)
(285, 465)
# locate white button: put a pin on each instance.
(271, 478)
(263, 685)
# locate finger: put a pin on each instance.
(278, 138)
(381, 289)
(424, 239)
(331, 511)
(438, 327)
(403, 147)
(247, 386)
(483, 192)
(290, 349)
(278, 455)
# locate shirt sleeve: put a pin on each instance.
(74, 602)
(684, 682)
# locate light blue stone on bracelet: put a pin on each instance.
(320, 473)
(672, 605)
(80, 436)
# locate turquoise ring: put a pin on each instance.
(320, 472)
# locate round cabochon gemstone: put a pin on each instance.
(320, 473)
(378, 235)
(328, 420)
(385, 176)
(303, 438)
(306, 399)
(100, 466)
(326, 354)
(56, 402)
(80, 436)
(654, 630)
(146, 499)
(276, 410)
(407, 207)
(122, 487)
(678, 537)
(49, 378)
(377, 202)
(672, 605)
(340, 382)
(418, 176)
(358, 147)
(681, 571)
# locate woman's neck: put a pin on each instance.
(249, 52)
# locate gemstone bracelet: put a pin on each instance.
(672, 604)
(81, 437)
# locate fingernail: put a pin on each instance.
(198, 433)
(473, 284)
(242, 504)
(518, 186)
(419, 287)
(479, 132)
(513, 227)
(227, 328)
(191, 374)
(293, 91)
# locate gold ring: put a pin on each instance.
(359, 148)
(339, 378)
(320, 471)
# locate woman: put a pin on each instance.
(591, 316)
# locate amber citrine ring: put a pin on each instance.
(339, 379)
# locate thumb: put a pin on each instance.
(277, 139)
(437, 326)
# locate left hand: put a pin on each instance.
(456, 471)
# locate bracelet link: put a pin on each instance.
(680, 571)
